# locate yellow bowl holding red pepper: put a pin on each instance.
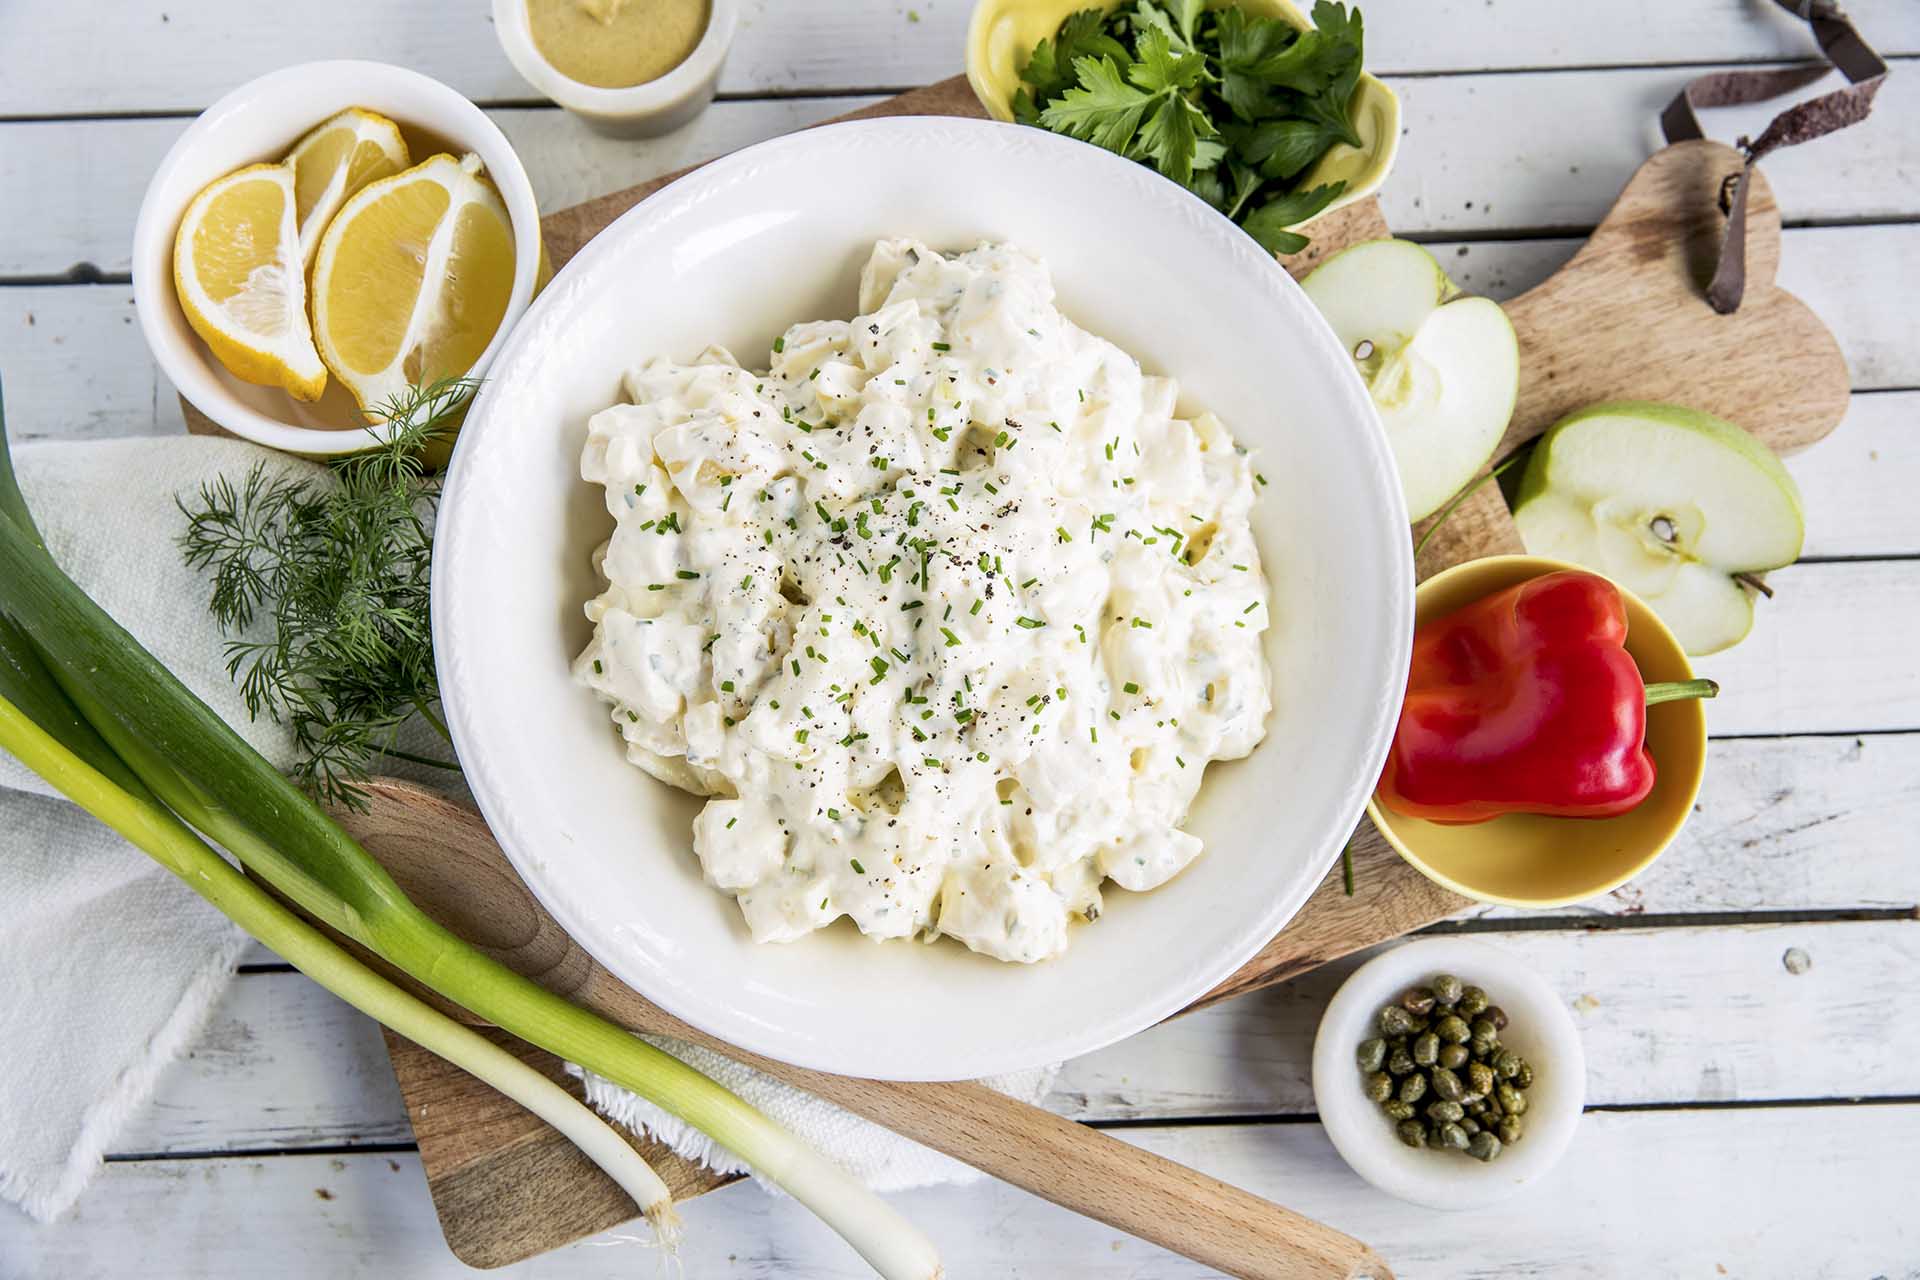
(1533, 860)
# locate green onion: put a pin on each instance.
(67, 669)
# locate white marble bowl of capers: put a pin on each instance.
(1447, 1074)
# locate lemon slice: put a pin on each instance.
(240, 280)
(336, 160)
(412, 279)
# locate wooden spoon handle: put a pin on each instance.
(1114, 1182)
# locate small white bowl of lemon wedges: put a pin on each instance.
(322, 240)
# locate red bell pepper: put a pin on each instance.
(1526, 702)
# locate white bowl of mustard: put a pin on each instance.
(631, 68)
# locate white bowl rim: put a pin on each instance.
(187, 365)
(513, 26)
(685, 1001)
(1365, 1139)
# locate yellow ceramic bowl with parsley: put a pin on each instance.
(1002, 33)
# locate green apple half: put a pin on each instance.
(1443, 369)
(1669, 502)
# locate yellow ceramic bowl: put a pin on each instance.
(1523, 860)
(1002, 34)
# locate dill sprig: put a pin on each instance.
(340, 564)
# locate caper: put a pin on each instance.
(1395, 1021)
(1438, 1071)
(1480, 1078)
(1426, 1049)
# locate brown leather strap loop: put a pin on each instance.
(1846, 51)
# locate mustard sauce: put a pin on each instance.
(615, 44)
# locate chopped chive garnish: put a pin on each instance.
(1131, 687)
(685, 575)
(857, 868)
(779, 345)
(942, 346)
(953, 641)
(1029, 623)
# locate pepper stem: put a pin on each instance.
(1678, 690)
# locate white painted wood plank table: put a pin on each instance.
(1749, 1117)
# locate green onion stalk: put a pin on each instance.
(159, 760)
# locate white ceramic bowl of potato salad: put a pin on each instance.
(922, 598)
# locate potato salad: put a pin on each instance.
(947, 610)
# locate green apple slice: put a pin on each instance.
(1670, 503)
(1443, 369)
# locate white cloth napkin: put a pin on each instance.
(109, 966)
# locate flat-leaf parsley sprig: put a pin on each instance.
(1231, 105)
(340, 564)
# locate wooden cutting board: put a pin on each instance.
(1626, 318)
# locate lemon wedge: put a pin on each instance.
(411, 280)
(336, 160)
(240, 280)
